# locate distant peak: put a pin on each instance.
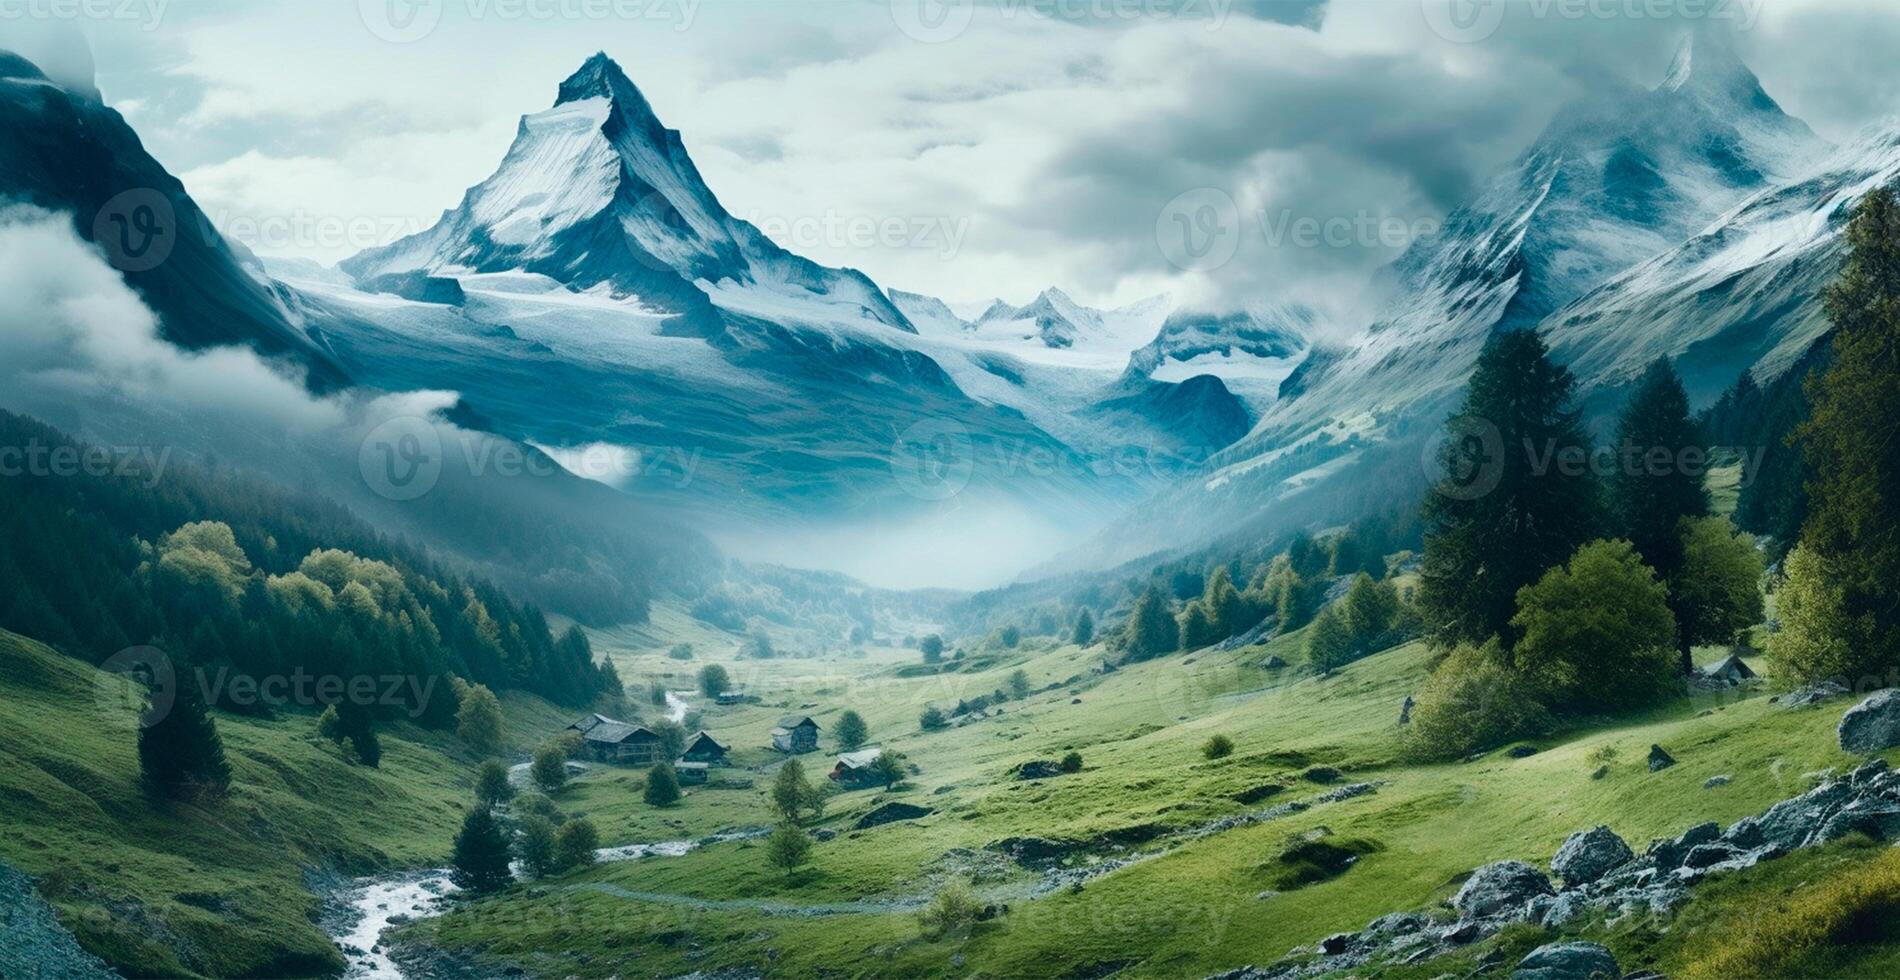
(1706, 65)
(599, 77)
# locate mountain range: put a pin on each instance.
(594, 293)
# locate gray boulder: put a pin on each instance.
(1499, 888)
(1588, 855)
(1568, 961)
(1658, 759)
(1873, 724)
(1812, 695)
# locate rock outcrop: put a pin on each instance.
(1872, 725)
(1608, 879)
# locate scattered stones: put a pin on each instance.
(1872, 725)
(1659, 760)
(1714, 781)
(1589, 855)
(1866, 800)
(1601, 771)
(1568, 961)
(1499, 887)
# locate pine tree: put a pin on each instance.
(480, 859)
(1151, 630)
(180, 753)
(851, 731)
(1226, 611)
(791, 793)
(1853, 526)
(1651, 489)
(1084, 628)
(1329, 644)
(1196, 627)
(1518, 497)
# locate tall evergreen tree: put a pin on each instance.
(851, 731)
(1084, 628)
(180, 753)
(1651, 489)
(1151, 630)
(479, 863)
(1518, 496)
(1853, 525)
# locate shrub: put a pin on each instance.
(492, 785)
(534, 845)
(478, 717)
(575, 844)
(1218, 747)
(932, 719)
(1473, 700)
(953, 912)
(1072, 762)
(1309, 862)
(1010, 636)
(1596, 634)
(851, 731)
(1019, 684)
(681, 651)
(788, 848)
(1818, 637)
(888, 768)
(663, 786)
(549, 769)
(932, 648)
(713, 680)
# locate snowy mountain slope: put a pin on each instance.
(596, 192)
(931, 316)
(1614, 180)
(1743, 294)
(64, 150)
(1054, 322)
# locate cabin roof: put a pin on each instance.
(790, 722)
(860, 759)
(703, 738)
(600, 728)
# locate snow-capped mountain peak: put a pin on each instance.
(597, 192)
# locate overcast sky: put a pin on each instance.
(968, 153)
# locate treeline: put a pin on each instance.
(1541, 615)
(244, 582)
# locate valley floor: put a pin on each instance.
(1160, 869)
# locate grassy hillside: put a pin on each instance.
(1202, 904)
(177, 890)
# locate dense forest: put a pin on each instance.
(227, 573)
